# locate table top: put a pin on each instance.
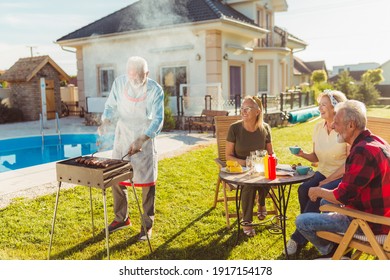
(246, 179)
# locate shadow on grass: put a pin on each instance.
(214, 243)
(81, 246)
(219, 250)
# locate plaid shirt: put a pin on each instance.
(366, 183)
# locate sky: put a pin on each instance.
(337, 31)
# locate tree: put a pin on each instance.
(319, 76)
(347, 85)
(374, 76)
(319, 79)
(369, 94)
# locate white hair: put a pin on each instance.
(138, 63)
(355, 111)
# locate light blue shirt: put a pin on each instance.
(154, 104)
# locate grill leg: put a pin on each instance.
(54, 219)
(106, 223)
(142, 216)
(90, 199)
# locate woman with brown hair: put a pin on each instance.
(244, 136)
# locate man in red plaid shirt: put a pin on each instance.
(365, 185)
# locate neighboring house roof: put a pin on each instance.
(356, 75)
(148, 14)
(384, 90)
(301, 67)
(26, 68)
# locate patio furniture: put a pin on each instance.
(205, 121)
(376, 245)
(380, 127)
(280, 193)
(222, 124)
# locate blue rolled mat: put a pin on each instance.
(303, 115)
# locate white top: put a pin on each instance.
(331, 155)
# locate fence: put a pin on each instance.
(193, 100)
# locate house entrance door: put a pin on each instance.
(235, 92)
(50, 100)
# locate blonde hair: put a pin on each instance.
(257, 101)
(334, 96)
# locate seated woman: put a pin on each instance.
(330, 155)
(244, 136)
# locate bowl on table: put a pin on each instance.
(303, 170)
(294, 149)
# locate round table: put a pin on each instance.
(280, 188)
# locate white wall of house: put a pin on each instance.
(180, 48)
(386, 72)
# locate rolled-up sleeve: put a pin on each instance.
(156, 112)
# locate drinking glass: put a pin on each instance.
(249, 164)
(259, 164)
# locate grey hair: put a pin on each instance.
(355, 111)
(138, 63)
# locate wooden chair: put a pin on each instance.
(376, 245)
(222, 124)
(380, 127)
(205, 120)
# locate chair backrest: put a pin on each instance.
(380, 127)
(222, 124)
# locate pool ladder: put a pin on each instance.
(58, 130)
(42, 133)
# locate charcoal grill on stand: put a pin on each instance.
(93, 172)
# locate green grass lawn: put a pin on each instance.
(186, 225)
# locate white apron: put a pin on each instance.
(132, 123)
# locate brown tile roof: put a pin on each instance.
(384, 90)
(26, 68)
(302, 67)
(147, 14)
(356, 75)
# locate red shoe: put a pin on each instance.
(115, 225)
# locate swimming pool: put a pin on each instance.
(23, 152)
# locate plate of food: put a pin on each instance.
(235, 170)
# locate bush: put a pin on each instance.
(169, 120)
(9, 115)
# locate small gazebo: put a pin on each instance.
(24, 79)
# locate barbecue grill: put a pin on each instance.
(93, 172)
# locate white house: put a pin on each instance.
(195, 48)
(363, 66)
(386, 72)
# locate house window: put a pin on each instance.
(172, 77)
(259, 19)
(268, 22)
(106, 78)
(263, 79)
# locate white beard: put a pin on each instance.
(340, 138)
(136, 85)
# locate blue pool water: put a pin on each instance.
(28, 151)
